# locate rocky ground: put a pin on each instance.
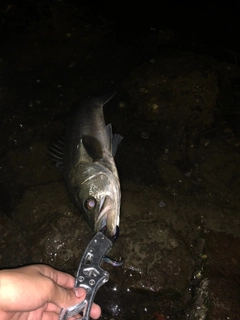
(177, 107)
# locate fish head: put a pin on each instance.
(98, 197)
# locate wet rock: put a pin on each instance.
(178, 89)
(201, 302)
(29, 165)
(156, 257)
(222, 268)
(157, 261)
(157, 316)
(13, 243)
(56, 233)
(154, 260)
(5, 200)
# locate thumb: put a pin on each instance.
(64, 298)
(80, 293)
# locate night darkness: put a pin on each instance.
(175, 67)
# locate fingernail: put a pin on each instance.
(77, 293)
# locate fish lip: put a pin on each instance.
(104, 222)
(112, 238)
(102, 226)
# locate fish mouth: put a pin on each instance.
(112, 238)
(108, 219)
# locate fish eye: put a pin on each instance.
(90, 204)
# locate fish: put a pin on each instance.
(87, 153)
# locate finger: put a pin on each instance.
(55, 316)
(95, 311)
(62, 278)
(53, 312)
(65, 297)
(50, 316)
(51, 307)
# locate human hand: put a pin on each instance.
(38, 292)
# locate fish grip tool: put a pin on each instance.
(90, 276)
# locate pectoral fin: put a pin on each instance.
(91, 149)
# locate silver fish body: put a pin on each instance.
(89, 168)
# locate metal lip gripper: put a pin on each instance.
(90, 275)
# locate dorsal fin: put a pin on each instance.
(106, 97)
